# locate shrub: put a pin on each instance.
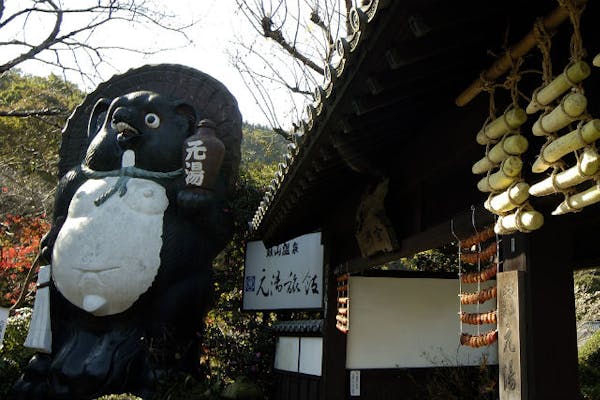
(589, 368)
(13, 355)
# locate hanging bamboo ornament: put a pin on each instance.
(572, 75)
(511, 145)
(523, 221)
(578, 201)
(510, 120)
(509, 171)
(508, 200)
(572, 141)
(570, 109)
(587, 166)
(596, 61)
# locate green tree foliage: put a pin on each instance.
(261, 147)
(589, 368)
(29, 145)
(443, 259)
(13, 356)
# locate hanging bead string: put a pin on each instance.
(481, 295)
(458, 243)
(478, 258)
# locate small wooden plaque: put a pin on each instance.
(511, 335)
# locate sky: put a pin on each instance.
(214, 34)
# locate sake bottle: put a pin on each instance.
(203, 154)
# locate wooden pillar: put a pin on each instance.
(550, 346)
(333, 379)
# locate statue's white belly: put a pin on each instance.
(106, 256)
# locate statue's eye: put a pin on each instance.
(152, 120)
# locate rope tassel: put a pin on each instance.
(39, 336)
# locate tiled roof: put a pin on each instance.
(299, 326)
(346, 49)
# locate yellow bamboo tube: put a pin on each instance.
(572, 141)
(596, 61)
(578, 201)
(574, 74)
(512, 119)
(508, 200)
(523, 221)
(570, 109)
(588, 166)
(509, 146)
(509, 171)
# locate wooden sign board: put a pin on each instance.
(511, 335)
(284, 277)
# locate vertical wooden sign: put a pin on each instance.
(511, 335)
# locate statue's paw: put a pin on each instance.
(33, 384)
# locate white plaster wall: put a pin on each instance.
(287, 351)
(410, 323)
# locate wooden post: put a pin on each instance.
(550, 345)
(333, 379)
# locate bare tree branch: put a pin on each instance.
(78, 37)
(277, 36)
(302, 37)
(33, 113)
(348, 4)
(49, 41)
(316, 19)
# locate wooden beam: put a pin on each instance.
(430, 238)
(519, 49)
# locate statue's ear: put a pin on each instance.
(189, 113)
(97, 117)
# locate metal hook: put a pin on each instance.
(452, 230)
(473, 219)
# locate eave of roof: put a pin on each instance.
(387, 70)
(326, 97)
